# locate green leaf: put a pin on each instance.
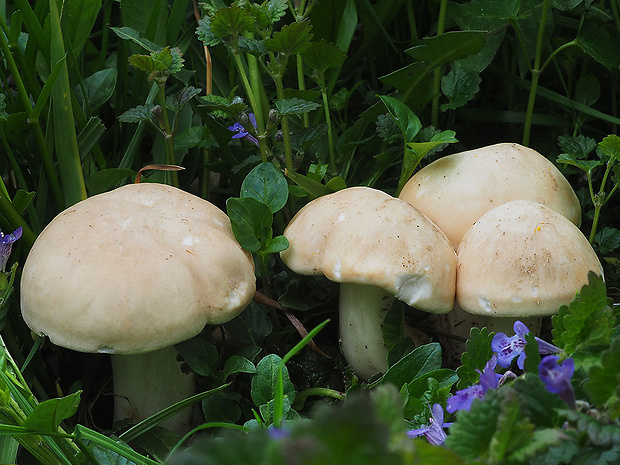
(266, 184)
(295, 106)
(264, 382)
(47, 416)
(532, 355)
(406, 119)
(600, 41)
(418, 362)
(99, 87)
(603, 384)
(576, 147)
(607, 240)
(460, 86)
(106, 179)
(231, 21)
(586, 165)
(276, 245)
(514, 431)
(180, 99)
(251, 222)
(444, 377)
(291, 39)
(251, 326)
(475, 358)
(610, 148)
(137, 114)
(128, 33)
(78, 19)
(322, 55)
(238, 364)
(205, 32)
(199, 355)
(586, 325)
(437, 50)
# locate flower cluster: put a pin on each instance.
(6, 244)
(434, 432)
(242, 132)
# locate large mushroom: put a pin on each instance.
(130, 273)
(521, 260)
(454, 191)
(377, 247)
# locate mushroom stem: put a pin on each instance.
(362, 311)
(147, 383)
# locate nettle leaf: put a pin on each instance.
(254, 46)
(609, 148)
(600, 41)
(137, 114)
(514, 431)
(607, 240)
(205, 32)
(276, 9)
(146, 63)
(47, 416)
(264, 382)
(406, 119)
(603, 384)
(291, 39)
(222, 106)
(251, 222)
(134, 36)
(266, 184)
(587, 323)
(231, 21)
(576, 147)
(323, 55)
(478, 353)
(295, 106)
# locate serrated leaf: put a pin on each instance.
(539, 404)
(254, 46)
(266, 184)
(295, 106)
(47, 416)
(276, 9)
(610, 148)
(146, 63)
(460, 86)
(603, 384)
(514, 431)
(323, 55)
(137, 114)
(601, 42)
(607, 240)
(587, 323)
(476, 356)
(291, 39)
(233, 20)
(577, 147)
(586, 165)
(205, 33)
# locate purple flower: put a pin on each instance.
(463, 399)
(6, 243)
(507, 348)
(242, 133)
(557, 376)
(434, 431)
(277, 433)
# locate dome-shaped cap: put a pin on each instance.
(136, 269)
(456, 190)
(361, 235)
(522, 259)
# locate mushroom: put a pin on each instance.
(519, 261)
(377, 247)
(456, 190)
(130, 273)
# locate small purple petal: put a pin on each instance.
(520, 329)
(557, 377)
(253, 119)
(6, 244)
(463, 399)
(507, 348)
(434, 432)
(414, 433)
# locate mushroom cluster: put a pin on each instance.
(378, 248)
(132, 272)
(513, 219)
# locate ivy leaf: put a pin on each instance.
(478, 353)
(231, 21)
(586, 325)
(295, 106)
(291, 39)
(603, 384)
(137, 114)
(607, 240)
(266, 184)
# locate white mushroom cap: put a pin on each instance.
(456, 190)
(361, 235)
(522, 259)
(136, 269)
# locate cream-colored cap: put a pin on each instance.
(522, 259)
(136, 269)
(361, 235)
(456, 190)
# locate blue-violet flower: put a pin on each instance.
(463, 399)
(557, 376)
(242, 133)
(434, 431)
(507, 348)
(6, 243)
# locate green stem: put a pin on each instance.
(536, 70)
(301, 83)
(441, 22)
(330, 137)
(168, 135)
(286, 135)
